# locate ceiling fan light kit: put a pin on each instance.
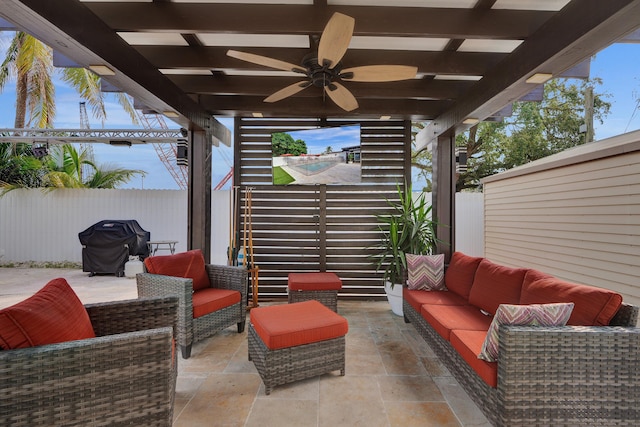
(323, 68)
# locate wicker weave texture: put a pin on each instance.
(190, 330)
(123, 379)
(327, 297)
(553, 376)
(282, 366)
(479, 391)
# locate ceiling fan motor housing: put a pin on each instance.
(320, 75)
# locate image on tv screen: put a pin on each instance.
(329, 155)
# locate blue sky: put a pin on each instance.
(620, 75)
(318, 140)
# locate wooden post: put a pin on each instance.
(199, 194)
(444, 193)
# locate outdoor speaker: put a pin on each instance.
(182, 154)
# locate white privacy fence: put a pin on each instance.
(44, 227)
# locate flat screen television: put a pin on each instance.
(328, 155)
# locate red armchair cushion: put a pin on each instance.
(593, 306)
(53, 314)
(494, 285)
(459, 275)
(189, 265)
(208, 300)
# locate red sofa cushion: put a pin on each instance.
(446, 318)
(53, 314)
(496, 284)
(189, 265)
(532, 275)
(208, 300)
(459, 275)
(418, 298)
(468, 345)
(593, 306)
(289, 325)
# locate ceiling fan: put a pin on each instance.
(323, 68)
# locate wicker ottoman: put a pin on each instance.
(291, 342)
(321, 287)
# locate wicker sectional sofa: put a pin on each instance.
(584, 374)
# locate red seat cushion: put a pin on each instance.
(446, 318)
(496, 284)
(468, 344)
(459, 275)
(593, 306)
(53, 314)
(208, 300)
(418, 298)
(322, 281)
(189, 265)
(289, 325)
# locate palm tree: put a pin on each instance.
(19, 168)
(30, 63)
(65, 165)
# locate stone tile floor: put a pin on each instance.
(392, 376)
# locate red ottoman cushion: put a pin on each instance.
(289, 325)
(314, 282)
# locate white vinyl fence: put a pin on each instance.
(43, 227)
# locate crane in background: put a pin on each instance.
(229, 175)
(224, 180)
(87, 148)
(167, 152)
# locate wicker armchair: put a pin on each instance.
(124, 376)
(192, 329)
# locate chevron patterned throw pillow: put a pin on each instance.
(426, 272)
(523, 315)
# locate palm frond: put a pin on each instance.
(126, 103)
(87, 84)
(57, 179)
(35, 62)
(110, 177)
(8, 66)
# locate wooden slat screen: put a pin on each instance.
(325, 227)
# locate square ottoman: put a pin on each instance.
(291, 342)
(321, 286)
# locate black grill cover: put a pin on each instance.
(106, 245)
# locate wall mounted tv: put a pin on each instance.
(328, 155)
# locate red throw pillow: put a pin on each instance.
(189, 265)
(54, 314)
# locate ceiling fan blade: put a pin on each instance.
(341, 96)
(379, 73)
(335, 39)
(288, 91)
(266, 61)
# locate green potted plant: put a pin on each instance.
(407, 229)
